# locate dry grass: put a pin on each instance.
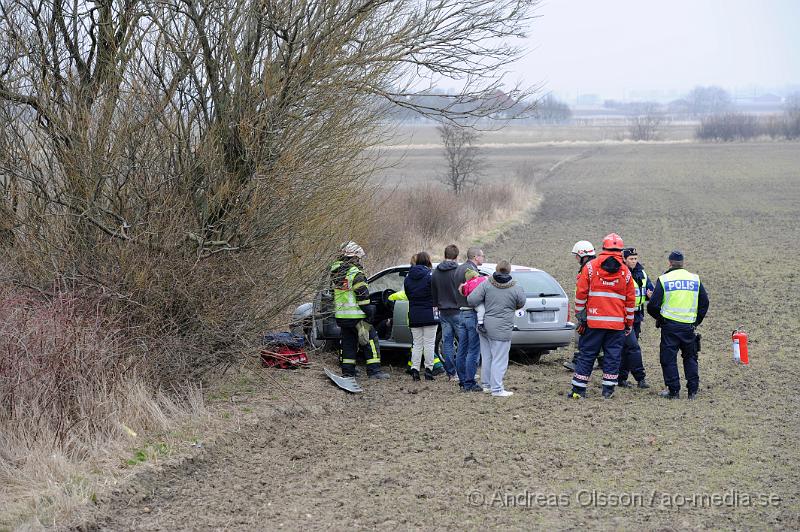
(429, 217)
(47, 482)
(72, 401)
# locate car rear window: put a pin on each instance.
(538, 284)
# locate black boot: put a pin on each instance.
(668, 394)
(414, 374)
(570, 365)
(428, 374)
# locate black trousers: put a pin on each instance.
(679, 337)
(350, 347)
(632, 357)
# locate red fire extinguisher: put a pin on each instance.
(739, 338)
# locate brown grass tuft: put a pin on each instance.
(404, 221)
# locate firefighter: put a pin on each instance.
(679, 304)
(604, 306)
(352, 310)
(584, 252)
(631, 351)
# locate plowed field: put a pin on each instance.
(422, 455)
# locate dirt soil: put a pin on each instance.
(408, 455)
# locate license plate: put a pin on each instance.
(542, 316)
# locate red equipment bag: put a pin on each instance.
(283, 350)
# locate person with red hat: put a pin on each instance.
(605, 301)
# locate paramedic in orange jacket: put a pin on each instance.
(605, 301)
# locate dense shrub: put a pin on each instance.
(733, 126)
(61, 361)
(729, 126)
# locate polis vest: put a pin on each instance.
(681, 293)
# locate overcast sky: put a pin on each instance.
(617, 47)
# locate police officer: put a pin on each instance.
(352, 309)
(604, 306)
(679, 303)
(631, 352)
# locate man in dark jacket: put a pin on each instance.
(469, 345)
(679, 304)
(631, 351)
(445, 301)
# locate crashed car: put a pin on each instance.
(541, 326)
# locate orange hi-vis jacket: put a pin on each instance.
(606, 291)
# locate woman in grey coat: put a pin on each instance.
(502, 298)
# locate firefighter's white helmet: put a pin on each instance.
(351, 249)
(584, 248)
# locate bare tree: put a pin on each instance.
(791, 103)
(644, 125)
(711, 100)
(187, 157)
(461, 155)
(792, 115)
(551, 110)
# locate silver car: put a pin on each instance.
(541, 326)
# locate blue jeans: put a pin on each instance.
(469, 349)
(449, 323)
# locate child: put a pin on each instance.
(466, 289)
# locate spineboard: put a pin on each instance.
(345, 383)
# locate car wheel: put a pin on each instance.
(439, 342)
(312, 339)
(529, 357)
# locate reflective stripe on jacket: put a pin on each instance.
(344, 293)
(681, 293)
(641, 292)
(608, 297)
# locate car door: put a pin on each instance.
(393, 280)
